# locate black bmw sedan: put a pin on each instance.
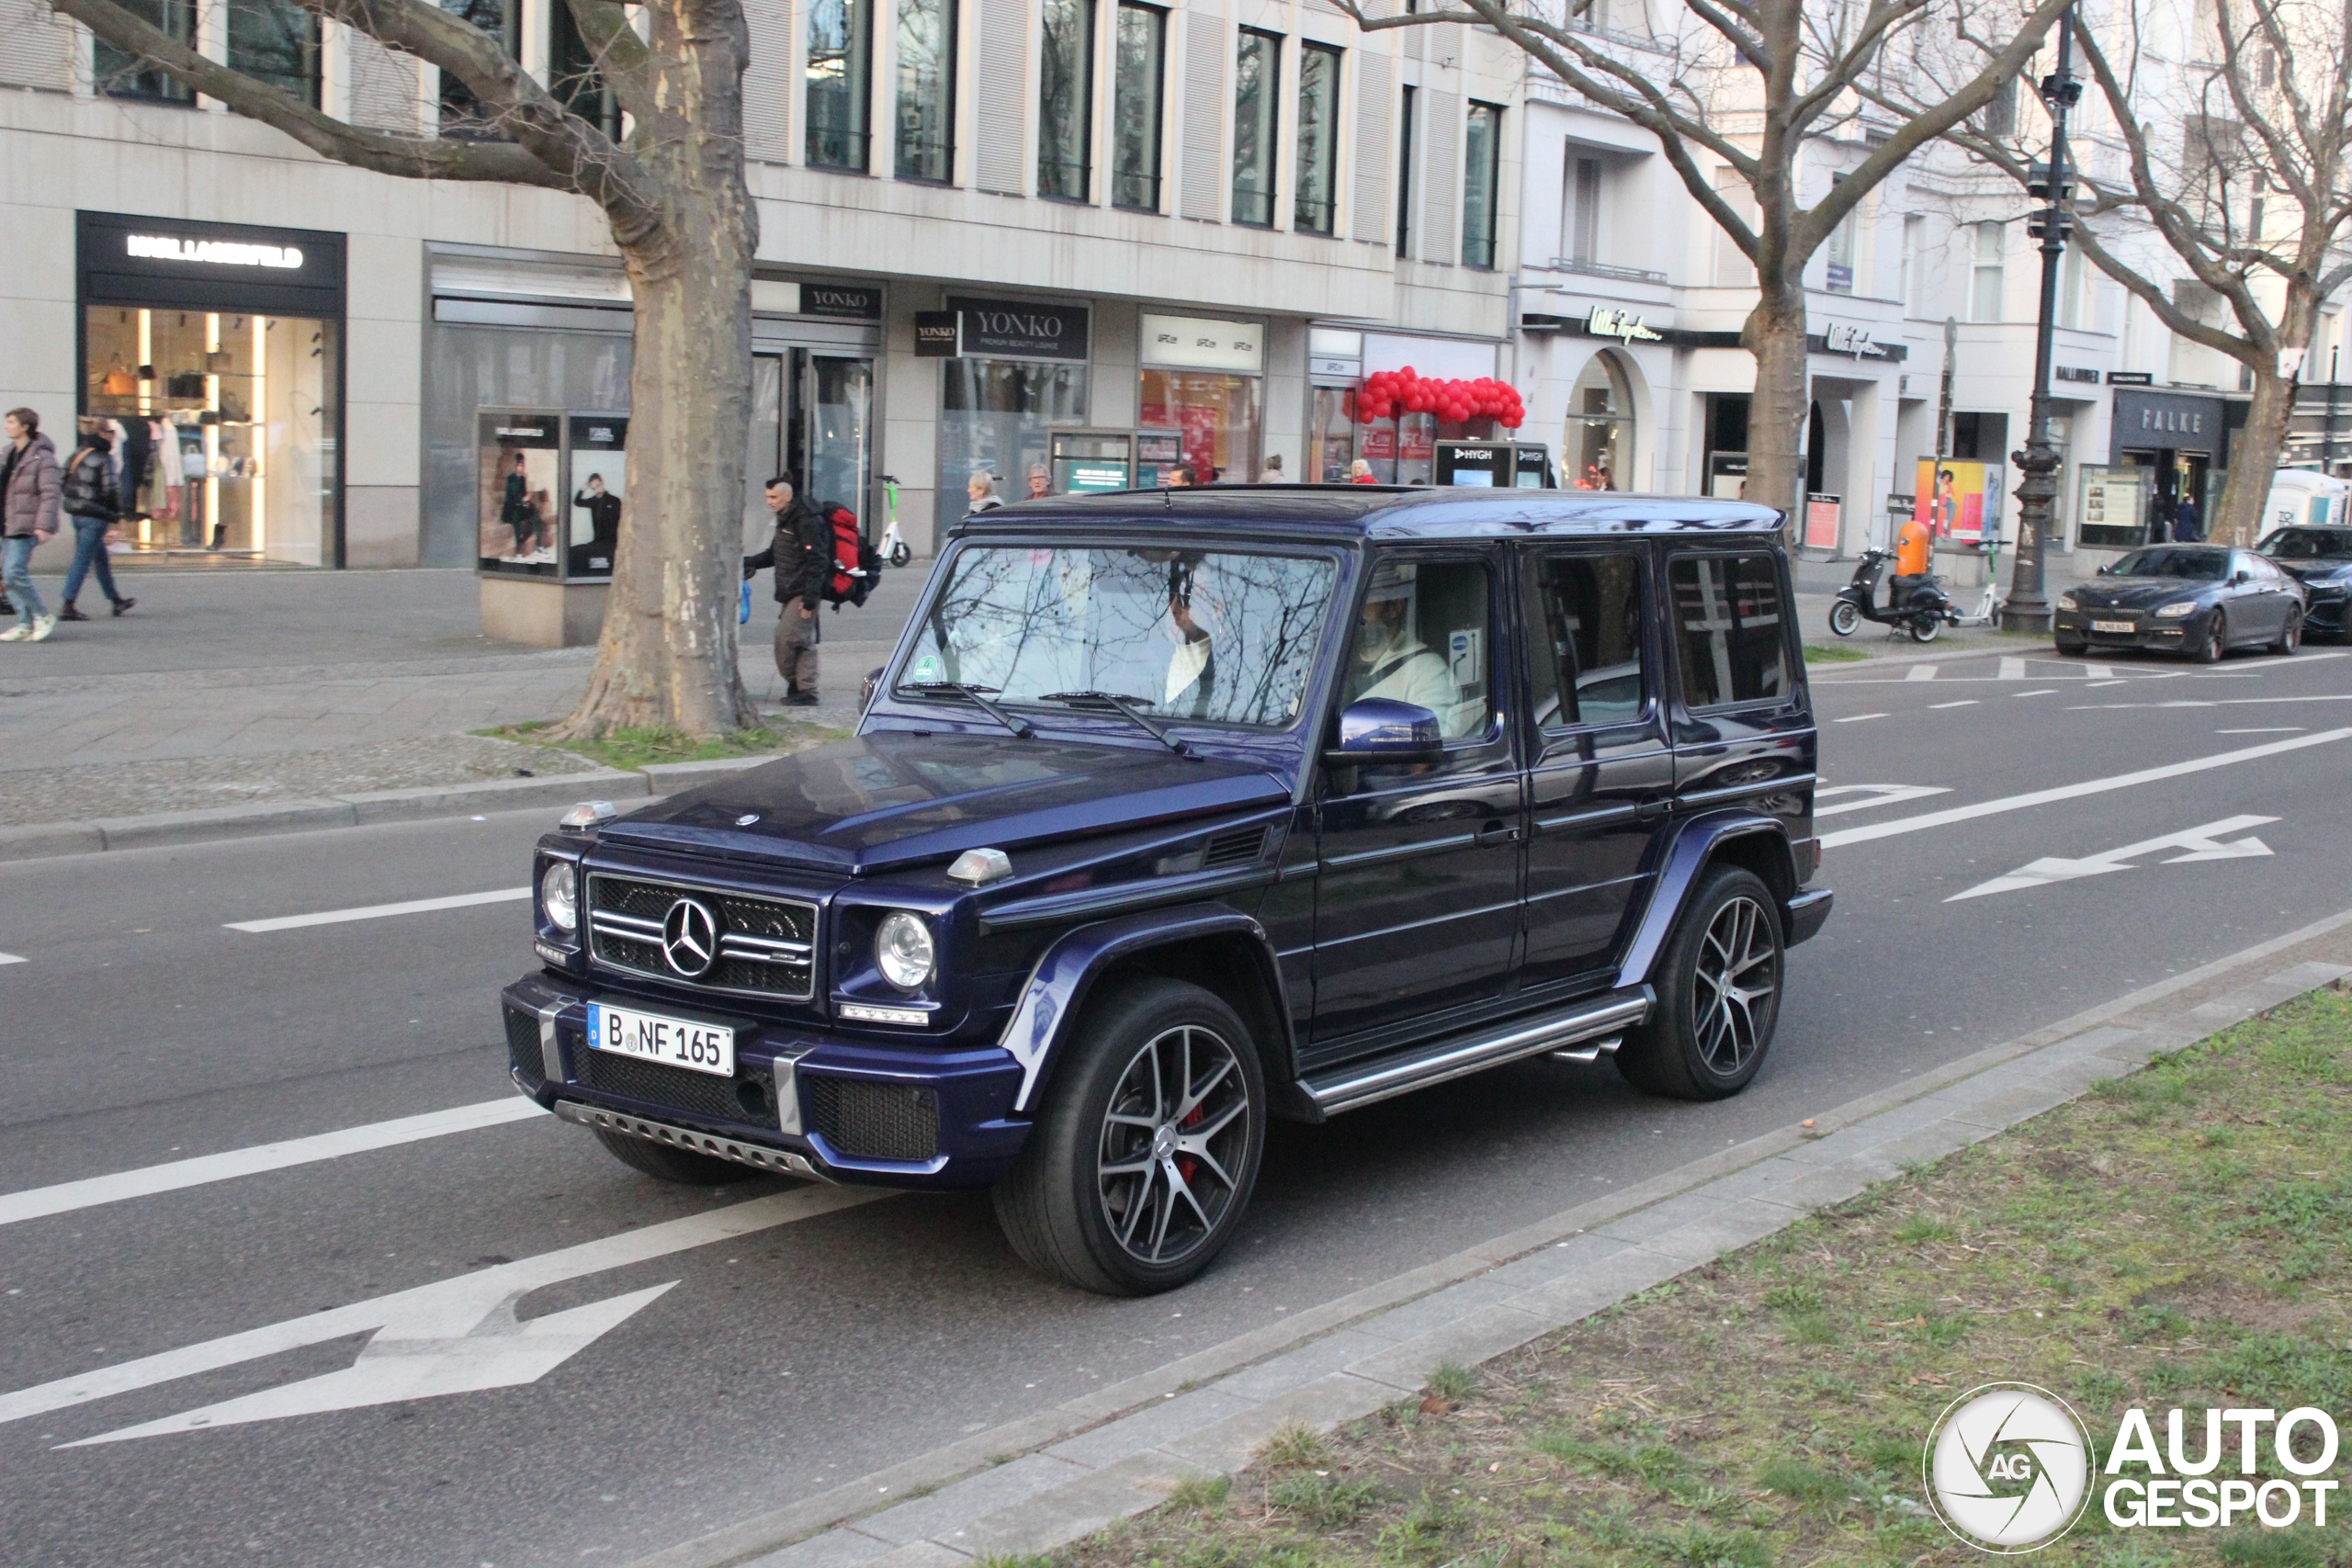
(2321, 559)
(2200, 600)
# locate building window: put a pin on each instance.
(840, 52)
(1404, 174)
(1915, 262)
(1999, 118)
(1985, 281)
(1839, 257)
(1136, 107)
(926, 135)
(1066, 100)
(1315, 208)
(573, 74)
(277, 42)
(1257, 77)
(124, 75)
(462, 115)
(1580, 210)
(2073, 290)
(1482, 149)
(1599, 438)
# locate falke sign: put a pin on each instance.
(1003, 329)
(1607, 321)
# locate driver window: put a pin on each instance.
(1422, 638)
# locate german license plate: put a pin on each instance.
(2113, 627)
(672, 1041)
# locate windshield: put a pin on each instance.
(2307, 544)
(2199, 565)
(1211, 636)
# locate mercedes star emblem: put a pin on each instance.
(690, 938)
(747, 819)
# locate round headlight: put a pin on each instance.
(558, 895)
(904, 951)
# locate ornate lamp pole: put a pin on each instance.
(2025, 609)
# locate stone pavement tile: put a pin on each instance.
(1296, 1368)
(1151, 1427)
(2076, 1074)
(2010, 1106)
(1659, 1218)
(983, 1492)
(1605, 1283)
(1321, 1404)
(1729, 1228)
(1556, 1261)
(1930, 1143)
(831, 1549)
(1466, 1341)
(1079, 1508)
(1761, 1179)
(923, 1555)
(1834, 1183)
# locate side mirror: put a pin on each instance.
(2243, 576)
(866, 690)
(1377, 730)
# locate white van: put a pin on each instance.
(2305, 498)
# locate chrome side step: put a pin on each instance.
(1600, 1021)
(775, 1162)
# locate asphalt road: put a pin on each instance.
(759, 1354)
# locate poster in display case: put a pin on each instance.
(519, 470)
(599, 487)
(2112, 513)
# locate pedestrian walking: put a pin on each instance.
(980, 494)
(92, 497)
(1272, 473)
(28, 508)
(2188, 525)
(802, 555)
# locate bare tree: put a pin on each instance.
(673, 191)
(2234, 161)
(1736, 91)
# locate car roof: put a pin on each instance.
(1381, 512)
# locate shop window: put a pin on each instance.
(997, 418)
(573, 76)
(277, 42)
(1257, 77)
(1315, 208)
(1331, 436)
(1599, 447)
(1066, 100)
(926, 145)
(462, 114)
(1730, 629)
(125, 75)
(1482, 151)
(841, 49)
(1136, 112)
(1587, 667)
(1215, 416)
(1985, 275)
(1405, 187)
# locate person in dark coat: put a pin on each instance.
(28, 496)
(2188, 525)
(92, 498)
(603, 510)
(802, 555)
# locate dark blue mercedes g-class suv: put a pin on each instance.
(1178, 812)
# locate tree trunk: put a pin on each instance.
(1774, 333)
(2254, 456)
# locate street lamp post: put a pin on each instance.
(2025, 609)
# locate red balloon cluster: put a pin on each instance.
(1388, 392)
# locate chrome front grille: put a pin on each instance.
(766, 946)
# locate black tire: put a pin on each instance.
(2290, 635)
(2216, 646)
(1063, 1202)
(665, 1164)
(2073, 646)
(901, 555)
(1844, 618)
(1699, 1043)
(1926, 628)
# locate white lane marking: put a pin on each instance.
(2045, 691)
(37, 1203)
(1963, 703)
(1872, 795)
(9, 958)
(2202, 844)
(1858, 717)
(2272, 730)
(2099, 671)
(2211, 703)
(378, 911)
(1922, 672)
(2095, 684)
(2011, 669)
(2075, 791)
(448, 1336)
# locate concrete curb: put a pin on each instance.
(1120, 1450)
(42, 839)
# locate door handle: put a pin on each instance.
(1495, 833)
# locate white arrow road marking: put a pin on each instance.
(447, 1314)
(9, 958)
(2202, 844)
(37, 1203)
(378, 911)
(2010, 803)
(1872, 795)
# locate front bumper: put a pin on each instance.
(801, 1101)
(2326, 611)
(2148, 633)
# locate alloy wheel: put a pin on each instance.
(1734, 985)
(1174, 1138)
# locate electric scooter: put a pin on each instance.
(1918, 604)
(891, 547)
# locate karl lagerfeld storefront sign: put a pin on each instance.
(1020, 329)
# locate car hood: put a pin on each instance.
(2318, 568)
(894, 798)
(2136, 592)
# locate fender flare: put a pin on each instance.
(1684, 862)
(1065, 975)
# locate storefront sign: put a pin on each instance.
(1341, 371)
(1022, 329)
(1194, 343)
(1845, 337)
(183, 265)
(936, 334)
(211, 252)
(2082, 373)
(839, 299)
(2130, 379)
(1823, 514)
(1608, 321)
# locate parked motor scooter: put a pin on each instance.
(1918, 604)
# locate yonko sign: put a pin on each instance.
(2010, 1468)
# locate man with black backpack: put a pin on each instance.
(802, 554)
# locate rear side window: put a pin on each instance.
(1728, 617)
(1584, 641)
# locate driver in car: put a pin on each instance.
(1390, 660)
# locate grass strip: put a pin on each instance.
(2177, 1237)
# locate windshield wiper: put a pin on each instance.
(1123, 707)
(978, 696)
